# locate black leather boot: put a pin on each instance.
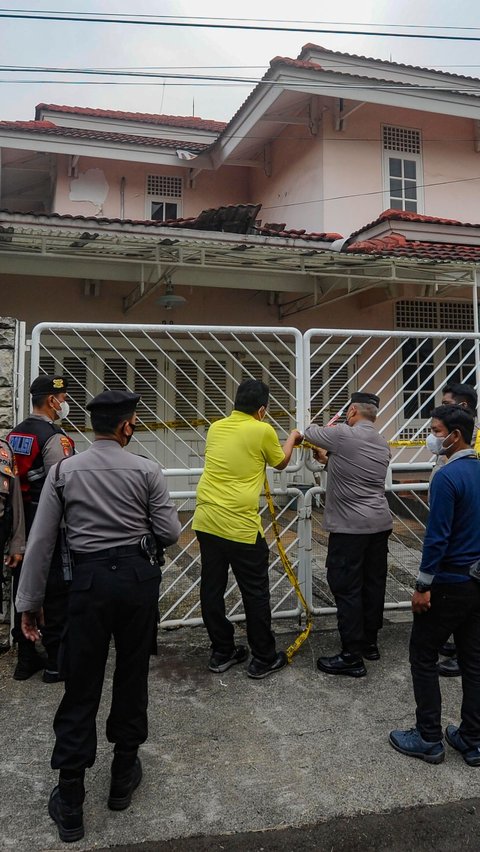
(126, 776)
(28, 661)
(65, 808)
(345, 663)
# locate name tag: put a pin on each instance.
(21, 444)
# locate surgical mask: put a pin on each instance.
(128, 438)
(63, 411)
(435, 444)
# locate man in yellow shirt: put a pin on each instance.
(229, 529)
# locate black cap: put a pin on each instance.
(48, 384)
(116, 399)
(367, 398)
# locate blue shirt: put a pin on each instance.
(452, 536)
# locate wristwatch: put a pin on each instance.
(422, 587)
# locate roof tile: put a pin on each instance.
(192, 122)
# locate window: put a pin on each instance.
(403, 169)
(163, 197)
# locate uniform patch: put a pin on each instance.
(67, 447)
(7, 471)
(4, 453)
(21, 444)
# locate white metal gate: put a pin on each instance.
(188, 376)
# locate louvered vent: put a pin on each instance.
(165, 186)
(115, 374)
(329, 389)
(146, 384)
(434, 316)
(75, 370)
(280, 402)
(251, 370)
(215, 401)
(186, 390)
(401, 139)
(338, 389)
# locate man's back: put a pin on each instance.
(237, 451)
(357, 467)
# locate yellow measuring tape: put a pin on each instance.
(296, 645)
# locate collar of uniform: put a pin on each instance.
(460, 454)
(41, 417)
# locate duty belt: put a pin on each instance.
(106, 553)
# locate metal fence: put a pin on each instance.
(187, 377)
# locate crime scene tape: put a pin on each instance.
(297, 644)
(308, 446)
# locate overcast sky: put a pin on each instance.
(86, 45)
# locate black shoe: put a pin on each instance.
(470, 754)
(221, 662)
(342, 664)
(52, 676)
(371, 652)
(257, 669)
(28, 666)
(449, 668)
(126, 777)
(448, 650)
(65, 808)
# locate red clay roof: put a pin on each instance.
(396, 245)
(51, 129)
(406, 216)
(191, 122)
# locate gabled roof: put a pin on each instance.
(51, 129)
(192, 122)
(387, 62)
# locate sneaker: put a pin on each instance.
(342, 664)
(470, 754)
(222, 662)
(449, 668)
(412, 744)
(371, 652)
(257, 669)
(448, 650)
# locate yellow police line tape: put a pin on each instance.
(308, 446)
(296, 645)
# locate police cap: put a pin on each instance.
(366, 398)
(48, 384)
(118, 400)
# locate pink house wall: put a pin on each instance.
(225, 186)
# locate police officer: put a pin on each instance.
(114, 503)
(38, 443)
(12, 523)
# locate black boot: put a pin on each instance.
(65, 808)
(28, 661)
(126, 776)
(345, 663)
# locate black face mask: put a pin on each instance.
(128, 438)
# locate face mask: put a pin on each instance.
(63, 411)
(435, 444)
(128, 438)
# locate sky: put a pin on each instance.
(190, 50)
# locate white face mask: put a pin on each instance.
(63, 411)
(435, 443)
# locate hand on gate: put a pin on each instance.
(12, 560)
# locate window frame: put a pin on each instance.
(387, 155)
(164, 199)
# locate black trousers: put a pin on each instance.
(54, 605)
(249, 563)
(455, 608)
(357, 576)
(115, 596)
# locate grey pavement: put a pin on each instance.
(227, 755)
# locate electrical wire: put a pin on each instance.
(97, 19)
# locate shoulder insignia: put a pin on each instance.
(67, 447)
(4, 454)
(21, 444)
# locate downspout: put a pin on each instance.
(122, 197)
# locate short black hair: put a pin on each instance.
(456, 417)
(251, 395)
(463, 393)
(106, 421)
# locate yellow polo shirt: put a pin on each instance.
(238, 449)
